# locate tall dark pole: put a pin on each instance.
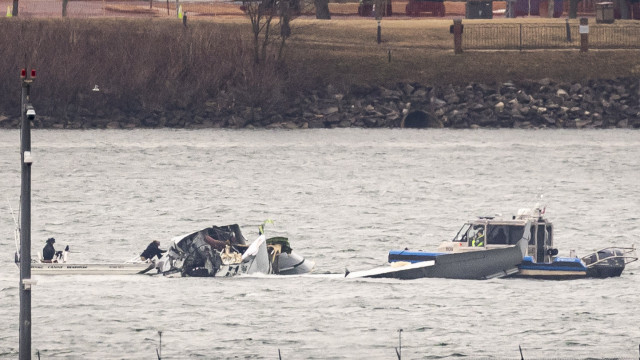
(25, 221)
(14, 10)
(457, 36)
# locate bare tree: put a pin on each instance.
(267, 16)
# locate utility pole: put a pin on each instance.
(27, 113)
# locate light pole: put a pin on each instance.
(27, 113)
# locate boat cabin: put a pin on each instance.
(490, 232)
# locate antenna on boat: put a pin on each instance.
(159, 352)
(521, 356)
(16, 235)
(399, 348)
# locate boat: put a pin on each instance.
(541, 260)
(458, 263)
(90, 268)
(60, 266)
(222, 251)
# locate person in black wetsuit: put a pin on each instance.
(153, 249)
(48, 252)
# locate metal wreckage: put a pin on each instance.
(219, 251)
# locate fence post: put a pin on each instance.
(520, 37)
(584, 34)
(457, 36)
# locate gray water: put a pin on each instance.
(344, 198)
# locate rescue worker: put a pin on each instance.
(153, 249)
(478, 239)
(48, 252)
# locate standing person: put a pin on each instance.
(153, 249)
(48, 252)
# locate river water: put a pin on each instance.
(344, 198)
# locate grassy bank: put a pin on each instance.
(421, 51)
(157, 64)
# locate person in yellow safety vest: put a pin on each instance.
(478, 239)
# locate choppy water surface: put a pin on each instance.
(344, 198)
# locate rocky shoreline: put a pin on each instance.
(526, 104)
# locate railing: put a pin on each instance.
(549, 36)
(628, 255)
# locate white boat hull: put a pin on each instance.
(90, 269)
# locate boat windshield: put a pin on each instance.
(468, 231)
(461, 236)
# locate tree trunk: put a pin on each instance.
(624, 9)
(322, 9)
(573, 9)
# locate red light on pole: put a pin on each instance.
(33, 73)
(23, 73)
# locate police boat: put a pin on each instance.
(541, 260)
(222, 251)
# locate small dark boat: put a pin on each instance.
(542, 260)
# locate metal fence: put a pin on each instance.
(621, 35)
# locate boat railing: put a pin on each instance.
(627, 254)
